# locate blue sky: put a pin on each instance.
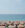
(12, 6)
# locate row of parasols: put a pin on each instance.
(10, 22)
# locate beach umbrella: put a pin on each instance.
(4, 23)
(16, 22)
(20, 25)
(21, 22)
(24, 21)
(9, 22)
(12, 22)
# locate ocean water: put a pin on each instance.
(12, 17)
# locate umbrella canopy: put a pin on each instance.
(16, 22)
(20, 25)
(12, 21)
(4, 23)
(21, 22)
(9, 22)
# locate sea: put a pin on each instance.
(12, 17)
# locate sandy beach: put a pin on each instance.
(2, 26)
(12, 24)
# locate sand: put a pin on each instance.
(2, 26)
